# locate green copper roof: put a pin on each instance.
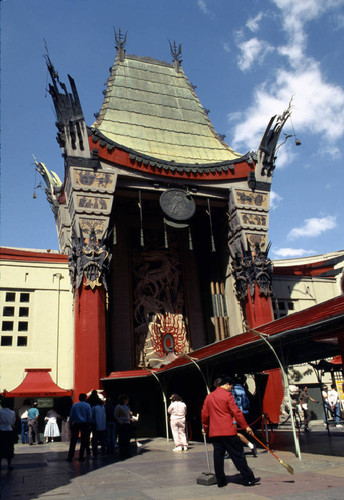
(151, 108)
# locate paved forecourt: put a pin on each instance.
(154, 472)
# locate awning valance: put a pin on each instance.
(38, 383)
(299, 338)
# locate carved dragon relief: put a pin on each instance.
(160, 332)
(90, 259)
(250, 268)
(53, 184)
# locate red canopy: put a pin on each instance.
(38, 383)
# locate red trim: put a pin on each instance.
(315, 314)
(31, 256)
(314, 269)
(120, 157)
(38, 383)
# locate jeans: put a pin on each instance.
(336, 412)
(24, 431)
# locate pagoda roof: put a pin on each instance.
(151, 108)
(38, 383)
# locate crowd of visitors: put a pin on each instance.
(105, 427)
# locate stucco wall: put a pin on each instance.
(49, 332)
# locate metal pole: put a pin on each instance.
(199, 369)
(286, 389)
(164, 399)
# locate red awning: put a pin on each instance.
(38, 383)
(302, 336)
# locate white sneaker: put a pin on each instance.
(139, 445)
(339, 425)
(185, 448)
(178, 448)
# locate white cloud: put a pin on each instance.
(313, 227)
(318, 104)
(226, 47)
(274, 199)
(339, 22)
(291, 253)
(203, 6)
(253, 51)
(253, 22)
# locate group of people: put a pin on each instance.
(29, 415)
(104, 421)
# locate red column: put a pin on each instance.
(259, 312)
(89, 344)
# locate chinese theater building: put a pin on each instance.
(166, 226)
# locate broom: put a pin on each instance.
(287, 466)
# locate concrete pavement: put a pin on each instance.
(156, 473)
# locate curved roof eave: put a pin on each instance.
(249, 158)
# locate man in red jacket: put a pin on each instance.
(218, 415)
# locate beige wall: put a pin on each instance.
(48, 314)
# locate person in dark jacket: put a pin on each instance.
(79, 420)
(218, 415)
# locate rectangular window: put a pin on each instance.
(6, 340)
(291, 306)
(10, 296)
(8, 311)
(21, 341)
(23, 326)
(281, 305)
(7, 326)
(24, 297)
(23, 312)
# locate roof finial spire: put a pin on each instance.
(120, 42)
(176, 54)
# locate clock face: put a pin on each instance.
(177, 204)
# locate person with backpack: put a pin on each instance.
(243, 403)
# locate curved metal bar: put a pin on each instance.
(286, 390)
(198, 368)
(164, 399)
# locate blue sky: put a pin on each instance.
(247, 60)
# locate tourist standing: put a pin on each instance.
(304, 398)
(7, 422)
(98, 427)
(79, 420)
(24, 424)
(51, 428)
(123, 417)
(333, 399)
(177, 410)
(33, 415)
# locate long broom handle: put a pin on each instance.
(206, 452)
(264, 446)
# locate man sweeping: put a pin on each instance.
(218, 415)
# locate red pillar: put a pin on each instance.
(89, 344)
(259, 312)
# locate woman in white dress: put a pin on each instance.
(51, 428)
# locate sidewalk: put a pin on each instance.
(156, 473)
